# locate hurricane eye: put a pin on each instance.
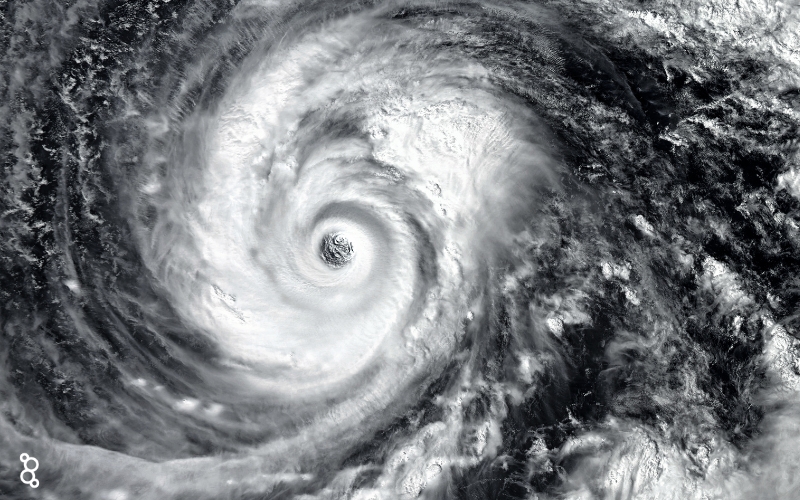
(336, 250)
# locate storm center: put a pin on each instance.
(336, 250)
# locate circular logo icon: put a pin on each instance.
(32, 482)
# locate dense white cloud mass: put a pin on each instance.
(380, 250)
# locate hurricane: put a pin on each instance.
(261, 249)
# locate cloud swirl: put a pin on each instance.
(399, 249)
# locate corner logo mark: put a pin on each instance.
(32, 482)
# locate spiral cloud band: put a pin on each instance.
(333, 249)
